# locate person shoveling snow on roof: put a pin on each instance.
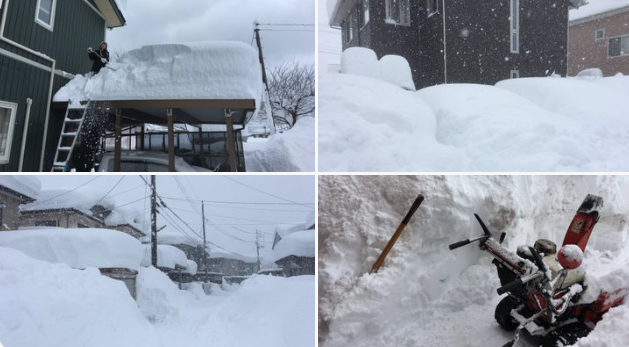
(99, 56)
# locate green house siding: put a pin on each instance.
(76, 27)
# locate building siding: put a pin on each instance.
(586, 52)
(76, 27)
(10, 212)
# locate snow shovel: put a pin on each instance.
(397, 234)
(108, 62)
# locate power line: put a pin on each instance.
(263, 192)
(66, 192)
(288, 24)
(114, 187)
(312, 30)
(242, 202)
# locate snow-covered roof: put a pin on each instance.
(219, 70)
(285, 229)
(78, 248)
(310, 220)
(167, 256)
(63, 198)
(596, 7)
(217, 253)
(27, 186)
(300, 244)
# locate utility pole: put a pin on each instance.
(153, 222)
(204, 243)
(258, 247)
(267, 101)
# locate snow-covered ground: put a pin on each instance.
(527, 124)
(46, 304)
(426, 295)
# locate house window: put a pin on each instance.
(432, 7)
(46, 223)
(398, 12)
(515, 26)
(45, 14)
(2, 206)
(7, 120)
(364, 13)
(619, 46)
(81, 225)
(599, 34)
(515, 73)
(349, 33)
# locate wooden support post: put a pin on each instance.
(118, 140)
(231, 148)
(142, 138)
(201, 150)
(171, 140)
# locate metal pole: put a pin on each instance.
(153, 222)
(258, 247)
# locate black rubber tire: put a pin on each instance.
(567, 335)
(503, 313)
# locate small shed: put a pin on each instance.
(216, 84)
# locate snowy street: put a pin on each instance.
(426, 295)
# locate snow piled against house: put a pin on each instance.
(46, 304)
(167, 256)
(290, 151)
(209, 70)
(364, 62)
(521, 125)
(426, 295)
(299, 243)
(77, 248)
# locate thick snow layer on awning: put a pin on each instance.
(167, 256)
(220, 70)
(78, 248)
(300, 244)
(595, 7)
(61, 198)
(28, 186)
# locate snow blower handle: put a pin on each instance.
(518, 283)
(397, 234)
(467, 242)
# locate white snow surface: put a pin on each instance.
(594, 7)
(62, 198)
(300, 244)
(290, 151)
(25, 185)
(263, 311)
(390, 68)
(428, 296)
(77, 248)
(207, 70)
(522, 125)
(167, 256)
(46, 304)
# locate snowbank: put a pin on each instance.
(77, 248)
(364, 62)
(25, 185)
(61, 198)
(594, 7)
(167, 256)
(529, 124)
(369, 125)
(300, 243)
(426, 295)
(210, 70)
(46, 304)
(291, 151)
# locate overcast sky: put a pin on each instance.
(329, 38)
(231, 226)
(176, 21)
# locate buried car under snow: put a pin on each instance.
(144, 161)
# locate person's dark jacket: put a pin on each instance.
(96, 57)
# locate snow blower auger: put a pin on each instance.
(543, 286)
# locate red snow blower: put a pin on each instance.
(543, 286)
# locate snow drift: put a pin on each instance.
(426, 295)
(209, 70)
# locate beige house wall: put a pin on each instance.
(63, 219)
(585, 52)
(10, 211)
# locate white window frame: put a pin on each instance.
(596, 38)
(621, 37)
(364, 10)
(50, 26)
(403, 21)
(432, 7)
(514, 26)
(349, 33)
(12, 107)
(515, 74)
(1, 1)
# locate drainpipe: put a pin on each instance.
(445, 62)
(52, 76)
(29, 103)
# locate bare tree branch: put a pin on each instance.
(292, 93)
